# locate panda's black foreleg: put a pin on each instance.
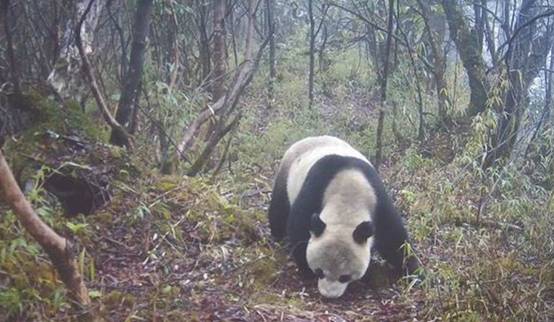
(394, 252)
(278, 213)
(299, 255)
(390, 241)
(279, 208)
(298, 234)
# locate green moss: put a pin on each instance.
(296, 302)
(50, 121)
(65, 120)
(262, 272)
(117, 299)
(465, 316)
(166, 184)
(32, 281)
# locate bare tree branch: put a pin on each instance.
(367, 21)
(57, 247)
(102, 106)
(242, 78)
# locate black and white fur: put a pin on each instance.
(332, 208)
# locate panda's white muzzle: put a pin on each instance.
(331, 289)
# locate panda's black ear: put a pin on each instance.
(317, 226)
(363, 232)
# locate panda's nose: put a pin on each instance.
(330, 295)
(331, 289)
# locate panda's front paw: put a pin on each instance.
(306, 273)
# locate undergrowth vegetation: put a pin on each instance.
(177, 248)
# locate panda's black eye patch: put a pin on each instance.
(363, 232)
(319, 273)
(344, 278)
(317, 226)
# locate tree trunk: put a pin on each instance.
(479, 25)
(467, 43)
(321, 51)
(233, 38)
(122, 41)
(225, 105)
(4, 10)
(439, 63)
(421, 127)
(214, 139)
(228, 103)
(58, 248)
(218, 53)
(218, 58)
(383, 87)
(271, 35)
(89, 74)
(173, 59)
(204, 42)
(65, 78)
(489, 33)
(443, 101)
(131, 90)
(546, 110)
(525, 55)
(312, 54)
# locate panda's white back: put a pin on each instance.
(305, 153)
(348, 195)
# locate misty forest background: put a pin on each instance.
(146, 134)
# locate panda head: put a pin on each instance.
(338, 254)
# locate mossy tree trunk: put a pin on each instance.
(467, 43)
(527, 47)
(525, 57)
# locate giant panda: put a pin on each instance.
(331, 207)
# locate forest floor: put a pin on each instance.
(198, 260)
(173, 248)
(203, 252)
